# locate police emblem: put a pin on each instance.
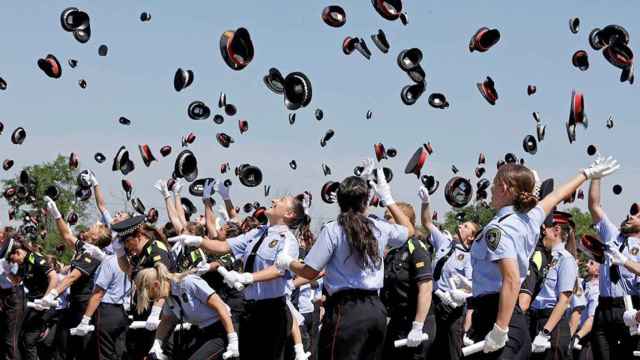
(460, 257)
(493, 238)
(273, 243)
(634, 251)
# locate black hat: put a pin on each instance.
(430, 183)
(3, 84)
(380, 41)
(83, 194)
(218, 119)
(82, 83)
(571, 132)
(334, 16)
(580, 59)
(329, 191)
(416, 161)
(197, 187)
(540, 131)
(388, 174)
(458, 192)
(10, 192)
(536, 116)
(617, 189)
(388, 9)
(293, 164)
(124, 121)
(319, 114)
(128, 226)
(594, 39)
(18, 136)
(186, 166)
(292, 118)
(591, 150)
(409, 61)
(222, 100)
(325, 169)
(379, 151)
(78, 22)
(72, 63)
(483, 184)
(510, 158)
(182, 79)
(138, 206)
(236, 48)
(230, 109)
(248, 207)
(618, 54)
(362, 48)
(274, 81)
(1, 127)
(249, 175)
(127, 186)
(592, 247)
(634, 209)
(438, 101)
(188, 139)
(152, 216)
(612, 33)
(488, 90)
(7, 164)
(546, 188)
(391, 152)
(531, 89)
(411, 93)
(147, 156)
(145, 16)
(224, 167)
(198, 110)
(574, 25)
(74, 160)
(80, 180)
(243, 125)
(627, 74)
(484, 39)
(224, 139)
(103, 50)
(122, 161)
(165, 150)
(297, 91)
(327, 136)
(454, 169)
(349, 44)
(481, 159)
(610, 122)
(577, 114)
(51, 66)
(530, 144)
(24, 178)
(72, 218)
(267, 189)
(480, 170)
(53, 192)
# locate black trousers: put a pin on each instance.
(485, 311)
(111, 325)
(207, 343)
(139, 341)
(353, 327)
(450, 325)
(12, 309)
(266, 325)
(33, 326)
(76, 346)
(610, 338)
(398, 328)
(585, 353)
(560, 336)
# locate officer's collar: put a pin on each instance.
(278, 228)
(557, 248)
(505, 210)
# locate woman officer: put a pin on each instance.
(500, 256)
(351, 250)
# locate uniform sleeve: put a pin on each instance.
(607, 230)
(239, 243)
(536, 216)
(321, 251)
(41, 265)
(592, 304)
(438, 239)
(160, 254)
(500, 245)
(567, 274)
(529, 284)
(85, 264)
(397, 235)
(200, 289)
(106, 219)
(104, 275)
(421, 261)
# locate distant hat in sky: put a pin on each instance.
(484, 39)
(488, 90)
(236, 48)
(50, 66)
(182, 79)
(334, 16)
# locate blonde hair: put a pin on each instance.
(145, 279)
(520, 181)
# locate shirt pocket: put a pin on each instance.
(552, 278)
(269, 249)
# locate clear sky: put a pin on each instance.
(136, 80)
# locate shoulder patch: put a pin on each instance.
(157, 258)
(161, 245)
(634, 251)
(273, 243)
(419, 264)
(492, 237)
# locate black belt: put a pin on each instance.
(607, 301)
(265, 302)
(349, 294)
(481, 301)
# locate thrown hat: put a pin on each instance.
(571, 132)
(617, 189)
(72, 218)
(1, 127)
(128, 226)
(540, 131)
(196, 188)
(627, 74)
(297, 91)
(334, 16)
(230, 109)
(72, 63)
(77, 22)
(145, 153)
(248, 207)
(249, 175)
(610, 122)
(3, 84)
(380, 41)
(188, 139)
(531, 89)
(224, 139)
(594, 39)
(127, 186)
(198, 110)
(189, 207)
(592, 247)
(430, 183)
(388, 174)
(484, 39)
(409, 61)
(481, 159)
(267, 189)
(454, 169)
(83, 194)
(50, 66)
(362, 48)
(483, 184)
(379, 151)
(82, 83)
(218, 119)
(612, 33)
(574, 25)
(7, 164)
(388, 9)
(274, 81)
(369, 114)
(391, 152)
(319, 114)
(243, 125)
(74, 160)
(326, 170)
(536, 116)
(510, 158)
(479, 171)
(411, 93)
(224, 167)
(124, 121)
(236, 48)
(327, 136)
(580, 59)
(293, 164)
(18, 136)
(152, 216)
(580, 194)
(145, 16)
(121, 159)
(530, 144)
(438, 101)
(186, 166)
(329, 191)
(222, 100)
(488, 90)
(182, 79)
(292, 118)
(458, 192)
(618, 54)
(592, 150)
(577, 114)
(634, 209)
(103, 50)
(165, 150)
(416, 161)
(138, 206)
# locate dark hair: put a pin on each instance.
(19, 244)
(168, 230)
(520, 181)
(233, 229)
(194, 228)
(150, 232)
(353, 196)
(568, 236)
(300, 223)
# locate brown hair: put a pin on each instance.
(408, 210)
(520, 181)
(150, 232)
(194, 228)
(300, 222)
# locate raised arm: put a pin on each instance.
(63, 228)
(161, 186)
(224, 194)
(595, 207)
(209, 213)
(177, 188)
(97, 190)
(426, 213)
(383, 191)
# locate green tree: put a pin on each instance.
(477, 213)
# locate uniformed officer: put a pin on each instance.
(12, 303)
(577, 305)
(452, 261)
(351, 252)
(500, 256)
(549, 317)
(406, 294)
(533, 281)
(581, 343)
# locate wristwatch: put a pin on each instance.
(546, 332)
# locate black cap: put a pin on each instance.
(488, 90)
(152, 216)
(380, 151)
(274, 81)
(146, 154)
(617, 189)
(144, 17)
(380, 41)
(577, 114)
(531, 89)
(222, 100)
(297, 91)
(83, 194)
(250, 176)
(409, 61)
(124, 121)
(327, 136)
(458, 192)
(328, 191)
(7, 164)
(77, 22)
(580, 59)
(230, 109)
(349, 44)
(182, 79)
(610, 122)
(574, 25)
(138, 206)
(592, 150)
(188, 139)
(510, 158)
(540, 131)
(103, 50)
(198, 110)
(293, 164)
(50, 66)
(319, 114)
(362, 48)
(392, 152)
(127, 186)
(484, 39)
(243, 126)
(438, 101)
(292, 118)
(74, 161)
(53, 192)
(165, 150)
(334, 16)
(186, 166)
(430, 183)
(479, 171)
(224, 139)
(369, 114)
(388, 9)
(530, 144)
(218, 119)
(416, 161)
(483, 184)
(592, 247)
(82, 83)
(325, 169)
(411, 93)
(236, 48)
(72, 63)
(128, 226)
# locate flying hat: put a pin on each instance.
(627, 74)
(319, 114)
(81, 180)
(53, 192)
(594, 39)
(198, 110)
(128, 226)
(152, 216)
(218, 119)
(379, 151)
(236, 48)
(484, 39)
(243, 125)
(249, 175)
(610, 122)
(458, 192)
(267, 189)
(82, 83)
(186, 166)
(297, 91)
(409, 61)
(479, 171)
(510, 158)
(103, 50)
(617, 189)
(3, 84)
(326, 170)
(369, 114)
(182, 79)
(488, 90)
(230, 109)
(577, 114)
(122, 162)
(18, 136)
(334, 16)
(388, 9)
(531, 89)
(73, 161)
(612, 33)
(571, 132)
(540, 131)
(10, 192)
(72, 218)
(50, 66)
(546, 188)
(293, 164)
(391, 152)
(454, 169)
(247, 208)
(362, 48)
(145, 16)
(430, 183)
(83, 194)
(292, 118)
(138, 206)
(165, 150)
(189, 207)
(224, 167)
(77, 22)
(1, 127)
(481, 159)
(618, 54)
(574, 25)
(224, 139)
(197, 187)
(380, 41)
(483, 184)
(634, 209)
(411, 93)
(127, 186)
(7, 164)
(327, 136)
(274, 81)
(592, 150)
(260, 215)
(592, 247)
(124, 121)
(222, 100)
(417, 160)
(404, 19)
(580, 59)
(147, 156)
(530, 144)
(438, 101)
(329, 191)
(536, 116)
(188, 139)
(72, 63)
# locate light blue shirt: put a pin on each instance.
(505, 237)
(271, 246)
(113, 281)
(458, 263)
(610, 235)
(305, 300)
(592, 292)
(189, 302)
(562, 273)
(5, 283)
(579, 299)
(343, 266)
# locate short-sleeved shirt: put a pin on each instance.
(153, 252)
(231, 296)
(189, 258)
(343, 265)
(189, 302)
(591, 294)
(579, 299)
(509, 235)
(537, 265)
(628, 246)
(560, 277)
(82, 288)
(404, 268)
(113, 280)
(34, 272)
(305, 300)
(455, 256)
(277, 238)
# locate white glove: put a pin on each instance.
(601, 168)
(576, 343)
(415, 335)
(83, 328)
(233, 348)
(156, 350)
(37, 305)
(382, 189)
(90, 178)
(93, 178)
(177, 188)
(466, 340)
(459, 297)
(462, 282)
(209, 189)
(541, 343)
(222, 190)
(423, 194)
(94, 252)
(367, 172)
(187, 240)
(445, 297)
(202, 268)
(496, 339)
(300, 353)
(616, 257)
(161, 185)
(283, 261)
(49, 300)
(231, 278)
(52, 208)
(245, 278)
(630, 319)
(154, 318)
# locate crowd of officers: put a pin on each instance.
(264, 287)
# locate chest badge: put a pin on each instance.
(273, 243)
(460, 257)
(492, 238)
(634, 251)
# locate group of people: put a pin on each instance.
(363, 287)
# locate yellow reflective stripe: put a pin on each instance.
(411, 246)
(537, 259)
(161, 245)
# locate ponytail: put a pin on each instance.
(145, 292)
(521, 183)
(524, 202)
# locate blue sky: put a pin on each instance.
(135, 80)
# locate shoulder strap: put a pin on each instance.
(251, 259)
(437, 271)
(504, 217)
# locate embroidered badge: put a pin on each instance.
(419, 264)
(273, 243)
(493, 238)
(634, 251)
(460, 257)
(157, 258)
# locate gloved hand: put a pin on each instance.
(231, 278)
(541, 343)
(245, 278)
(222, 190)
(496, 339)
(415, 335)
(187, 240)
(423, 194)
(367, 172)
(466, 340)
(601, 168)
(94, 252)
(459, 297)
(300, 353)
(156, 350)
(202, 268)
(575, 342)
(93, 178)
(630, 318)
(83, 328)
(462, 282)
(209, 189)
(154, 318)
(445, 297)
(382, 189)
(177, 188)
(616, 257)
(233, 347)
(161, 185)
(52, 208)
(50, 299)
(283, 261)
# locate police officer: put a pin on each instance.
(533, 282)
(12, 302)
(452, 261)
(407, 294)
(500, 256)
(351, 251)
(581, 343)
(549, 318)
